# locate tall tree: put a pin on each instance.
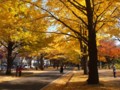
(89, 13)
(16, 30)
(93, 17)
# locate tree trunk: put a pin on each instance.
(93, 77)
(85, 60)
(9, 66)
(30, 62)
(93, 71)
(85, 65)
(84, 57)
(9, 58)
(41, 62)
(108, 61)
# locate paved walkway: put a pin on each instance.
(61, 82)
(33, 82)
(77, 81)
(70, 80)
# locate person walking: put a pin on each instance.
(20, 70)
(78, 66)
(17, 70)
(114, 71)
(61, 69)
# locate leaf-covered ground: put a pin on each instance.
(25, 73)
(76, 81)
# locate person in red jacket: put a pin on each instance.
(17, 71)
(20, 70)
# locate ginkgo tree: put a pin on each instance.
(11, 29)
(38, 48)
(88, 13)
(62, 50)
(16, 28)
(92, 16)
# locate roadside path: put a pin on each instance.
(77, 81)
(32, 82)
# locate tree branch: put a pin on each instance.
(52, 15)
(80, 7)
(3, 44)
(74, 13)
(77, 36)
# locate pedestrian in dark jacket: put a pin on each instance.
(61, 69)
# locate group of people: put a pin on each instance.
(19, 70)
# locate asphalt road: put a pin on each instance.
(35, 82)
